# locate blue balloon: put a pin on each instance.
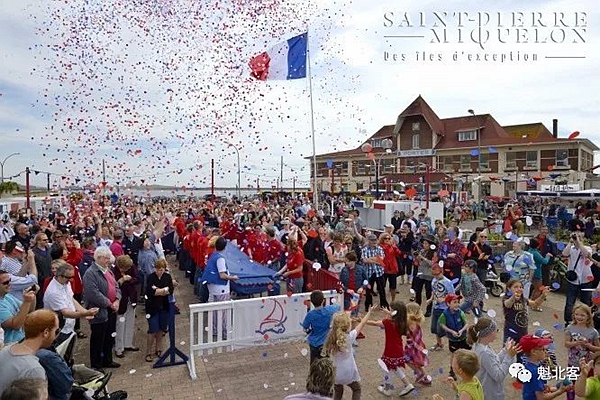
(474, 153)
(560, 246)
(329, 163)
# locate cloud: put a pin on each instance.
(157, 88)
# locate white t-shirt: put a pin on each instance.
(215, 289)
(346, 370)
(583, 267)
(59, 297)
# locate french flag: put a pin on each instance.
(286, 60)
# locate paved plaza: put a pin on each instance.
(275, 371)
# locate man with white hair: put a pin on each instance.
(100, 290)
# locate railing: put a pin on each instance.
(251, 322)
(321, 280)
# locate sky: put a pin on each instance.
(158, 88)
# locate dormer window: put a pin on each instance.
(416, 126)
(466, 136)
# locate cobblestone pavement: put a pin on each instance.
(275, 371)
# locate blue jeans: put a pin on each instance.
(572, 292)
(294, 285)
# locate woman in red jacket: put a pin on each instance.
(292, 270)
(390, 263)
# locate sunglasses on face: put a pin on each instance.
(6, 283)
(68, 277)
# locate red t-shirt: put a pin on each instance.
(352, 279)
(394, 348)
(274, 248)
(295, 260)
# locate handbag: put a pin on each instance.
(571, 275)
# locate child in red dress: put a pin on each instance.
(395, 326)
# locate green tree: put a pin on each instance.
(8, 187)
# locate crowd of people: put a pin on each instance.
(100, 257)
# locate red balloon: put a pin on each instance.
(574, 135)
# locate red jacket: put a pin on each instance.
(390, 263)
(295, 260)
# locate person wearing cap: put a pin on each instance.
(12, 310)
(440, 288)
(454, 322)
(372, 258)
(285, 225)
(588, 387)
(21, 267)
(536, 350)
(494, 366)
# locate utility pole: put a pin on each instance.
(281, 177)
(27, 189)
(258, 185)
(48, 182)
(294, 186)
(332, 179)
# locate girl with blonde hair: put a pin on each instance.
(338, 345)
(414, 349)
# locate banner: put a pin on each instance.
(269, 320)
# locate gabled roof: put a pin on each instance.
(492, 133)
(420, 107)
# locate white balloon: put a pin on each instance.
(508, 235)
(528, 221)
(316, 266)
(491, 313)
(441, 263)
(432, 247)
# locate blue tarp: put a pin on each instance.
(254, 277)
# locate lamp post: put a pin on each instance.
(2, 164)
(478, 155)
(238, 168)
(387, 145)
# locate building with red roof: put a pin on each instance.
(446, 151)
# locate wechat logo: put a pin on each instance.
(518, 371)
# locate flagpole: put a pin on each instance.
(312, 127)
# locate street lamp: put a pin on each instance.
(387, 145)
(2, 164)
(238, 167)
(478, 155)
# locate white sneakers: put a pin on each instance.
(406, 390)
(403, 392)
(382, 389)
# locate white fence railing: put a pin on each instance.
(235, 324)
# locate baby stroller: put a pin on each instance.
(88, 383)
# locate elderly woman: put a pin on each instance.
(520, 265)
(126, 276)
(159, 285)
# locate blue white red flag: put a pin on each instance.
(286, 60)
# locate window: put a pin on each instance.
(415, 141)
(378, 143)
(485, 161)
(416, 126)
(467, 135)
(465, 162)
(562, 158)
(359, 186)
(531, 159)
(511, 160)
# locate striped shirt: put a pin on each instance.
(11, 265)
(372, 268)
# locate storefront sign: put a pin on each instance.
(416, 153)
(561, 188)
